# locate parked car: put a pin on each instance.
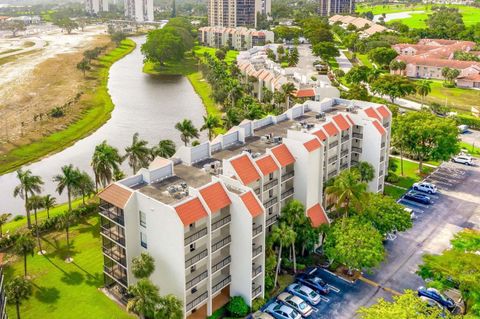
(418, 198)
(435, 295)
(463, 159)
(296, 303)
(280, 311)
(305, 293)
(411, 212)
(425, 187)
(261, 315)
(313, 282)
(462, 129)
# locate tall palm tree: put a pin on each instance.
(69, 179)
(366, 171)
(283, 236)
(86, 186)
(293, 214)
(348, 190)
(210, 122)
(24, 246)
(164, 148)
(3, 220)
(29, 185)
(170, 307)
(105, 161)
(143, 266)
(187, 130)
(36, 202)
(145, 298)
(138, 153)
(17, 290)
(424, 88)
(49, 202)
(288, 89)
(65, 221)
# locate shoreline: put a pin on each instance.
(97, 111)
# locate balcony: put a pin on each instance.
(194, 257)
(221, 243)
(345, 138)
(343, 153)
(222, 222)
(256, 251)
(332, 159)
(256, 271)
(256, 230)
(272, 219)
(115, 253)
(357, 135)
(380, 186)
(196, 301)
(333, 144)
(353, 162)
(256, 291)
(116, 273)
(332, 174)
(287, 193)
(382, 145)
(381, 173)
(113, 213)
(270, 184)
(221, 284)
(382, 158)
(195, 235)
(257, 191)
(191, 282)
(287, 176)
(270, 202)
(220, 264)
(357, 150)
(113, 234)
(344, 166)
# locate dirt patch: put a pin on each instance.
(55, 82)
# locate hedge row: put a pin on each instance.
(471, 121)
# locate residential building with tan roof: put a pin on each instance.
(368, 27)
(204, 214)
(240, 38)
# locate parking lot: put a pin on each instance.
(455, 206)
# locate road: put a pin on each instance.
(343, 62)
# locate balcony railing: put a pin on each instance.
(113, 235)
(119, 258)
(287, 176)
(381, 173)
(225, 220)
(357, 135)
(222, 263)
(110, 214)
(353, 163)
(195, 302)
(256, 251)
(343, 153)
(382, 158)
(333, 144)
(115, 274)
(271, 220)
(221, 243)
(221, 284)
(287, 193)
(356, 149)
(380, 186)
(256, 271)
(270, 184)
(332, 173)
(257, 191)
(256, 230)
(332, 159)
(194, 281)
(382, 145)
(344, 166)
(270, 202)
(196, 258)
(196, 236)
(256, 291)
(345, 138)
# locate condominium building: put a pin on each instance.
(204, 214)
(240, 38)
(236, 13)
(96, 6)
(3, 297)
(331, 7)
(139, 10)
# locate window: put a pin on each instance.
(270, 177)
(270, 210)
(143, 239)
(194, 290)
(193, 268)
(270, 193)
(192, 247)
(143, 219)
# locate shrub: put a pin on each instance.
(257, 304)
(237, 307)
(301, 267)
(392, 178)
(8, 241)
(269, 282)
(57, 112)
(471, 121)
(18, 217)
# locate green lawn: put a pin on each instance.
(457, 98)
(98, 107)
(472, 149)
(64, 290)
(393, 191)
(410, 171)
(363, 58)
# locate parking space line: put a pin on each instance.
(333, 288)
(412, 203)
(325, 299)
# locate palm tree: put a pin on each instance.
(366, 171)
(24, 245)
(347, 189)
(143, 266)
(105, 161)
(211, 122)
(187, 130)
(3, 220)
(138, 153)
(165, 149)
(284, 236)
(170, 307)
(145, 298)
(49, 202)
(293, 214)
(85, 187)
(69, 180)
(29, 185)
(424, 88)
(278, 98)
(65, 221)
(288, 89)
(17, 290)
(230, 118)
(36, 202)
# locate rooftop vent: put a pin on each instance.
(178, 191)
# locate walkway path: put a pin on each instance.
(344, 63)
(39, 44)
(413, 161)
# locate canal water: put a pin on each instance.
(145, 104)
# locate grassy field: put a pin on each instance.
(457, 98)
(64, 290)
(393, 191)
(98, 107)
(410, 171)
(364, 60)
(472, 149)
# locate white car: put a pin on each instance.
(296, 303)
(463, 159)
(425, 187)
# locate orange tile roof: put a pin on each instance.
(312, 145)
(305, 93)
(330, 129)
(383, 111)
(191, 211)
(317, 215)
(116, 195)
(320, 134)
(341, 122)
(267, 165)
(379, 127)
(350, 119)
(215, 197)
(252, 204)
(372, 113)
(283, 155)
(245, 169)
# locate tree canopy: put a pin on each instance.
(382, 56)
(445, 22)
(394, 86)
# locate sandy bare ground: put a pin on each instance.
(34, 82)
